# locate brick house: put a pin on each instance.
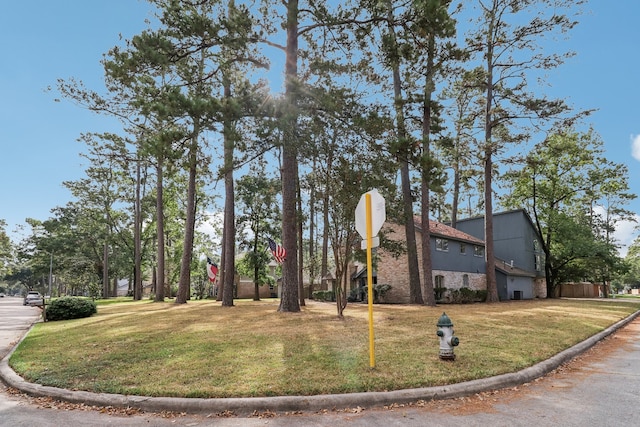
(457, 258)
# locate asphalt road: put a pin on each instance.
(599, 388)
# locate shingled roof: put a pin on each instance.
(442, 230)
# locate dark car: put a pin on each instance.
(33, 299)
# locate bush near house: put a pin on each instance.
(378, 294)
(70, 308)
(379, 291)
(439, 292)
(323, 296)
(466, 296)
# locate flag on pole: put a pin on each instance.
(279, 253)
(212, 270)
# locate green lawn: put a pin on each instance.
(202, 349)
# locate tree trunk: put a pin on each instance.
(289, 299)
(229, 227)
(300, 246)
(137, 239)
(415, 289)
(549, 276)
(190, 224)
(256, 271)
(324, 269)
(256, 285)
(430, 298)
(490, 262)
(160, 232)
(105, 270)
(456, 182)
(312, 224)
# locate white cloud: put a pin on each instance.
(625, 234)
(635, 146)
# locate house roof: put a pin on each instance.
(496, 214)
(506, 268)
(362, 273)
(442, 230)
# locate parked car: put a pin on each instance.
(1, 295)
(33, 299)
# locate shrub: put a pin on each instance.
(439, 293)
(324, 296)
(466, 295)
(379, 291)
(70, 308)
(482, 295)
(357, 295)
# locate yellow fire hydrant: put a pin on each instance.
(447, 339)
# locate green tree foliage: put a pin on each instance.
(258, 220)
(508, 36)
(360, 109)
(559, 175)
(5, 250)
(631, 277)
(197, 45)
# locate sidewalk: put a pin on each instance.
(246, 406)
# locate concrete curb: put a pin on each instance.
(246, 406)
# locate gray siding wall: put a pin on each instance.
(513, 238)
(453, 260)
(507, 285)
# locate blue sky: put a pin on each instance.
(43, 40)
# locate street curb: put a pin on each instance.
(247, 406)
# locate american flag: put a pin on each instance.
(279, 253)
(212, 270)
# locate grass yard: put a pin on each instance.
(202, 349)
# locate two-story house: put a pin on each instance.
(458, 258)
(519, 256)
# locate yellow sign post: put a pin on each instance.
(370, 215)
(372, 354)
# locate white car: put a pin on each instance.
(33, 299)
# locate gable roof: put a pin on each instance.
(442, 230)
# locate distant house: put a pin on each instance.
(245, 288)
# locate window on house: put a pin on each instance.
(465, 280)
(536, 245)
(478, 251)
(463, 249)
(442, 245)
(439, 281)
(538, 262)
